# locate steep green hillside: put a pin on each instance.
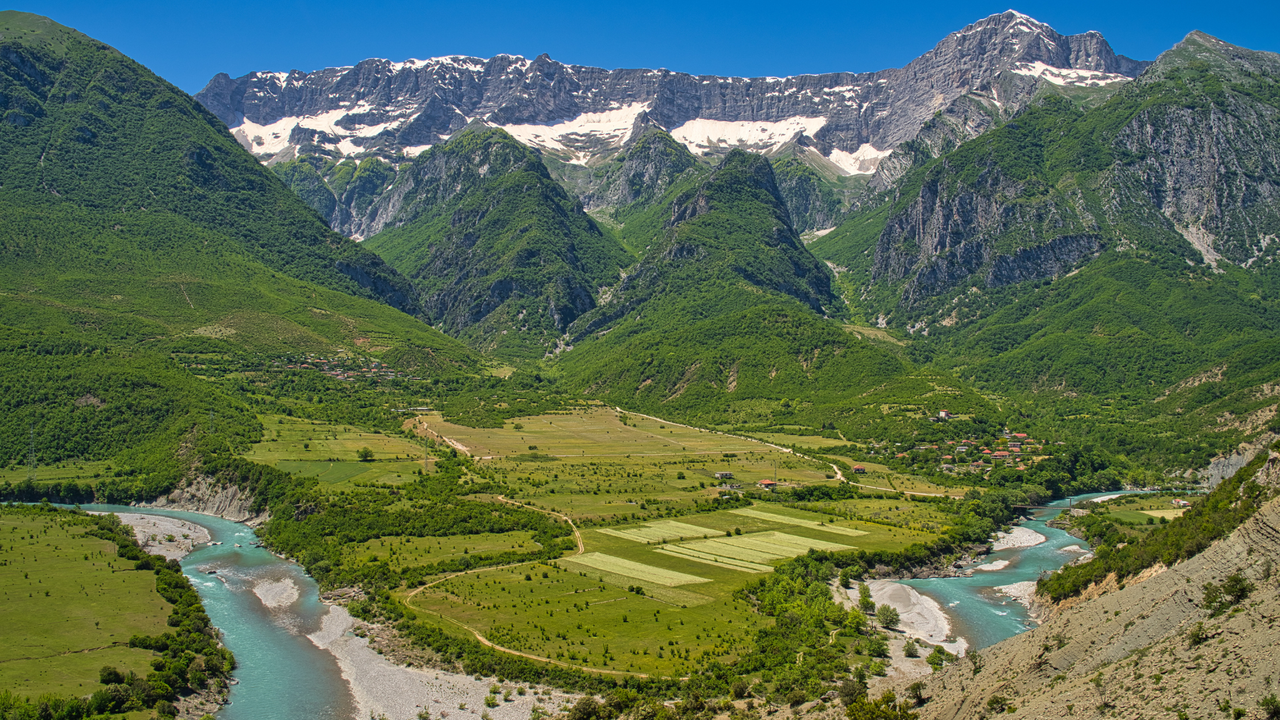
(1111, 251)
(69, 400)
(715, 246)
(504, 258)
(811, 200)
(128, 214)
(722, 322)
(87, 125)
(133, 227)
(641, 175)
(341, 192)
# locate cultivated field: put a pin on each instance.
(411, 551)
(594, 432)
(81, 471)
(1170, 513)
(651, 558)
(587, 617)
(68, 606)
(602, 464)
(795, 518)
(587, 611)
(326, 451)
(809, 441)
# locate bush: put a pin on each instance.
(1220, 598)
(887, 616)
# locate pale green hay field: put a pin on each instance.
(799, 521)
(639, 571)
(661, 531)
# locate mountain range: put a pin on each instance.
(1019, 212)
(844, 123)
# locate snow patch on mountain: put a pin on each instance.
(761, 136)
(862, 161)
(610, 128)
(1068, 76)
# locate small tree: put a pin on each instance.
(865, 603)
(854, 688)
(886, 708)
(364, 454)
(887, 616)
(909, 648)
(856, 622)
(916, 692)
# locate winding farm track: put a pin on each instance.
(577, 535)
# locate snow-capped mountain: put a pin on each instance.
(577, 113)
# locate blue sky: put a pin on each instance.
(188, 42)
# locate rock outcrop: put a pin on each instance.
(1183, 164)
(1148, 648)
(205, 495)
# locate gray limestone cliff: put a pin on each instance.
(384, 107)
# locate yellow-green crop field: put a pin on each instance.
(81, 471)
(601, 464)
(327, 451)
(68, 606)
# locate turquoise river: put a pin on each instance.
(979, 613)
(281, 675)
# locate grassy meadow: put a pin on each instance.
(1140, 510)
(68, 606)
(409, 551)
(80, 471)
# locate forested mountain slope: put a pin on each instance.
(728, 318)
(1115, 250)
(504, 257)
(132, 227)
(129, 214)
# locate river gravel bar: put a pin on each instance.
(153, 533)
(276, 593)
(1018, 537)
(920, 616)
(382, 688)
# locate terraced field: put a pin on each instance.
(793, 518)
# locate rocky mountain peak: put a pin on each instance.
(584, 115)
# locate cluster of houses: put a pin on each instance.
(724, 476)
(1013, 449)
